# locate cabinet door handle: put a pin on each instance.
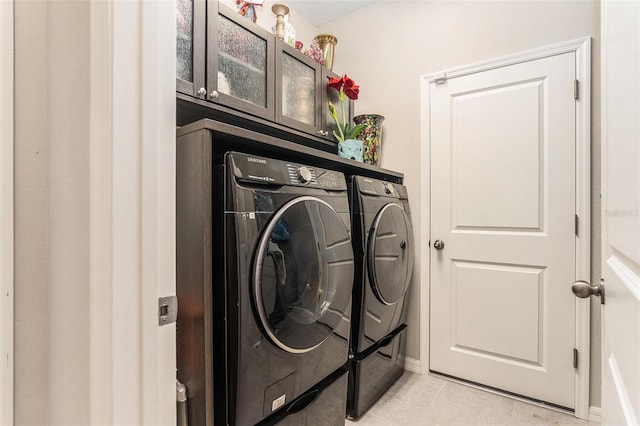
(202, 91)
(214, 94)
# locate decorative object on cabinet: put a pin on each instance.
(345, 87)
(314, 52)
(371, 137)
(351, 149)
(248, 8)
(280, 10)
(327, 44)
(289, 32)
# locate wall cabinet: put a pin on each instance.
(302, 94)
(240, 60)
(248, 70)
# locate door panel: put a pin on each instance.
(621, 213)
(503, 189)
(507, 328)
(503, 202)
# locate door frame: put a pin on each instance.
(582, 49)
(6, 211)
(132, 212)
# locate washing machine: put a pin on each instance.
(384, 257)
(282, 301)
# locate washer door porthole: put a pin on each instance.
(303, 273)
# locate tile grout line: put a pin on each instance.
(444, 383)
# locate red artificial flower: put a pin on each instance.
(351, 89)
(345, 86)
(335, 82)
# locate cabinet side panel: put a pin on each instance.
(193, 272)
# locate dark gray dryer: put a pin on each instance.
(384, 256)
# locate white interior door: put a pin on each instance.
(621, 212)
(503, 205)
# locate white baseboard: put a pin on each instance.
(595, 415)
(413, 365)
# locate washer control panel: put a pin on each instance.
(254, 169)
(313, 176)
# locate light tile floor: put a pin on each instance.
(419, 399)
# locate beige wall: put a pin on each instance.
(31, 214)
(51, 212)
(388, 46)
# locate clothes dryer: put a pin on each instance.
(282, 298)
(384, 257)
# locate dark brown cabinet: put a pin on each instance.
(250, 73)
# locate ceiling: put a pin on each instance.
(321, 12)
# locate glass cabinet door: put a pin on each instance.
(190, 47)
(298, 98)
(239, 62)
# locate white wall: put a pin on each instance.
(51, 212)
(54, 383)
(387, 46)
(6, 212)
(94, 207)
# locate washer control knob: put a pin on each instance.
(305, 174)
(388, 188)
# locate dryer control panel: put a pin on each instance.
(254, 169)
(381, 188)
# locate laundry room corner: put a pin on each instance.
(441, 35)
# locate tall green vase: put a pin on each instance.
(371, 137)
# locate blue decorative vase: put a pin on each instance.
(351, 149)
